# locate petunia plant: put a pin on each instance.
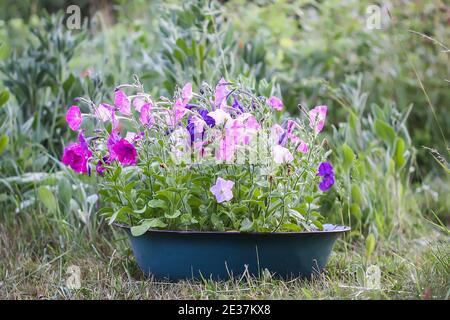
(223, 159)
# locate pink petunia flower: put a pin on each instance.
(282, 155)
(220, 95)
(138, 103)
(243, 128)
(133, 136)
(186, 93)
(276, 133)
(76, 157)
(179, 110)
(104, 112)
(317, 118)
(122, 102)
(146, 116)
(74, 118)
(86, 73)
(222, 190)
(303, 147)
(275, 103)
(227, 148)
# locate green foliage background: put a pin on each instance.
(316, 52)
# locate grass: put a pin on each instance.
(35, 260)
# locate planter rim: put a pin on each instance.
(328, 228)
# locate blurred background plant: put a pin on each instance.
(387, 92)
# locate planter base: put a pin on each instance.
(176, 255)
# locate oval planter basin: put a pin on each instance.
(176, 255)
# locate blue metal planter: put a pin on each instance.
(176, 255)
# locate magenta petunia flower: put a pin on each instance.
(317, 118)
(126, 152)
(122, 102)
(76, 157)
(121, 150)
(222, 190)
(275, 103)
(74, 118)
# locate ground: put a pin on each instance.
(36, 264)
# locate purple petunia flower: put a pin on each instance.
(100, 167)
(209, 120)
(222, 190)
(327, 174)
(237, 105)
(195, 129)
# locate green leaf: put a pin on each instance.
(147, 224)
(105, 211)
(64, 191)
(356, 194)
(175, 215)
(291, 227)
(4, 97)
(246, 225)
(119, 213)
(47, 198)
(399, 153)
(157, 203)
(370, 245)
(3, 143)
(356, 211)
(353, 121)
(318, 224)
(348, 156)
(385, 132)
(68, 83)
(140, 211)
(239, 209)
(259, 203)
(182, 45)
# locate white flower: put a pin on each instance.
(219, 116)
(282, 155)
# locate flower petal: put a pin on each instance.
(122, 102)
(275, 103)
(74, 118)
